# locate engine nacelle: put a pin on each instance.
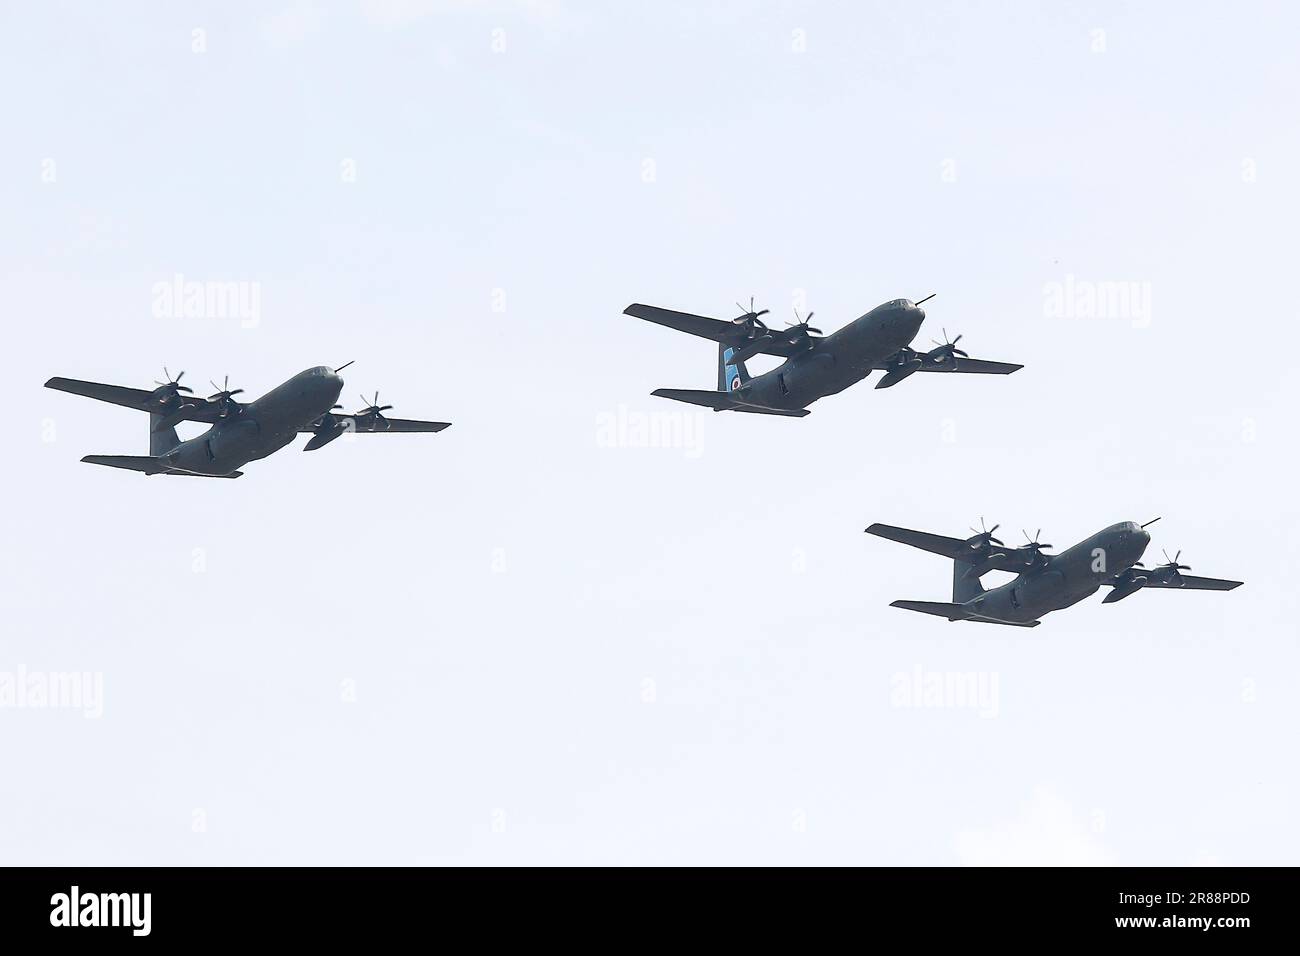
(899, 372)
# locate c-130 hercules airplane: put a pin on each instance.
(240, 433)
(814, 366)
(1044, 582)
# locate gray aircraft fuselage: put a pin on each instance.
(262, 427)
(1061, 580)
(833, 363)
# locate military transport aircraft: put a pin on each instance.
(814, 366)
(240, 433)
(1044, 582)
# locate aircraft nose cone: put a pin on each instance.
(1141, 540)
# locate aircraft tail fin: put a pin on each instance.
(731, 374)
(161, 440)
(966, 584)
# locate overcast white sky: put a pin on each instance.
(531, 639)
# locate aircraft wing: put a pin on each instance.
(934, 543)
(196, 410)
(368, 425)
(1189, 582)
(715, 329)
(116, 394)
(957, 364)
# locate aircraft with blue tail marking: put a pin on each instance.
(815, 365)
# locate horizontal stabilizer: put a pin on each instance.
(718, 401)
(956, 612)
(147, 465)
(721, 401)
(175, 473)
(767, 410)
(144, 463)
(953, 612)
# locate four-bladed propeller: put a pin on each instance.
(225, 397)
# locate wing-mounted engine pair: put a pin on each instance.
(369, 420)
